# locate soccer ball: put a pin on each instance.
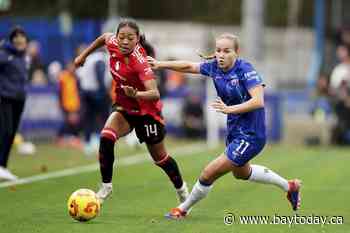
(83, 205)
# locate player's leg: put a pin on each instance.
(116, 126)
(261, 174)
(170, 167)
(264, 175)
(241, 151)
(152, 132)
(214, 170)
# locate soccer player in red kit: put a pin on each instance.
(136, 105)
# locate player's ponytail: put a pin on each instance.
(146, 45)
(206, 57)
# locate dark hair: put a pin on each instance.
(143, 42)
(16, 31)
(345, 46)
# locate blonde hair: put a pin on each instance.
(229, 36)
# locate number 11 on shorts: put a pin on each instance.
(242, 146)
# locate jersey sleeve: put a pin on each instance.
(205, 68)
(250, 77)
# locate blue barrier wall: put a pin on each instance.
(54, 44)
(274, 117)
(42, 116)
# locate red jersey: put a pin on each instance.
(131, 70)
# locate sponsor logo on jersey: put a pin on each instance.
(251, 73)
(234, 82)
(256, 77)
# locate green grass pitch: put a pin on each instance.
(143, 194)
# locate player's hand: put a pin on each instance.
(153, 63)
(79, 60)
(130, 91)
(220, 106)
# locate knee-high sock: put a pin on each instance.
(261, 174)
(106, 154)
(199, 191)
(169, 166)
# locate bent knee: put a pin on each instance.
(239, 176)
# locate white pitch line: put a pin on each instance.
(135, 159)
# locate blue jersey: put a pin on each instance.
(232, 87)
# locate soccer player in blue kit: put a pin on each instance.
(241, 97)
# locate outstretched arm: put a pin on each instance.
(181, 66)
(98, 43)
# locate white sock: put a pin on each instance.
(198, 192)
(261, 174)
(107, 185)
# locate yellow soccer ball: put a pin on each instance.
(83, 205)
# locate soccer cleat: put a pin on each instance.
(5, 174)
(104, 192)
(182, 193)
(293, 194)
(176, 214)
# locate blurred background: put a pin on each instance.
(300, 47)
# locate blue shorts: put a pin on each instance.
(241, 149)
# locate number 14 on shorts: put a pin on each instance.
(151, 129)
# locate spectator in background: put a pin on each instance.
(175, 84)
(342, 71)
(193, 117)
(39, 78)
(53, 70)
(70, 105)
(340, 91)
(343, 36)
(321, 106)
(341, 131)
(95, 98)
(321, 111)
(35, 62)
(13, 78)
